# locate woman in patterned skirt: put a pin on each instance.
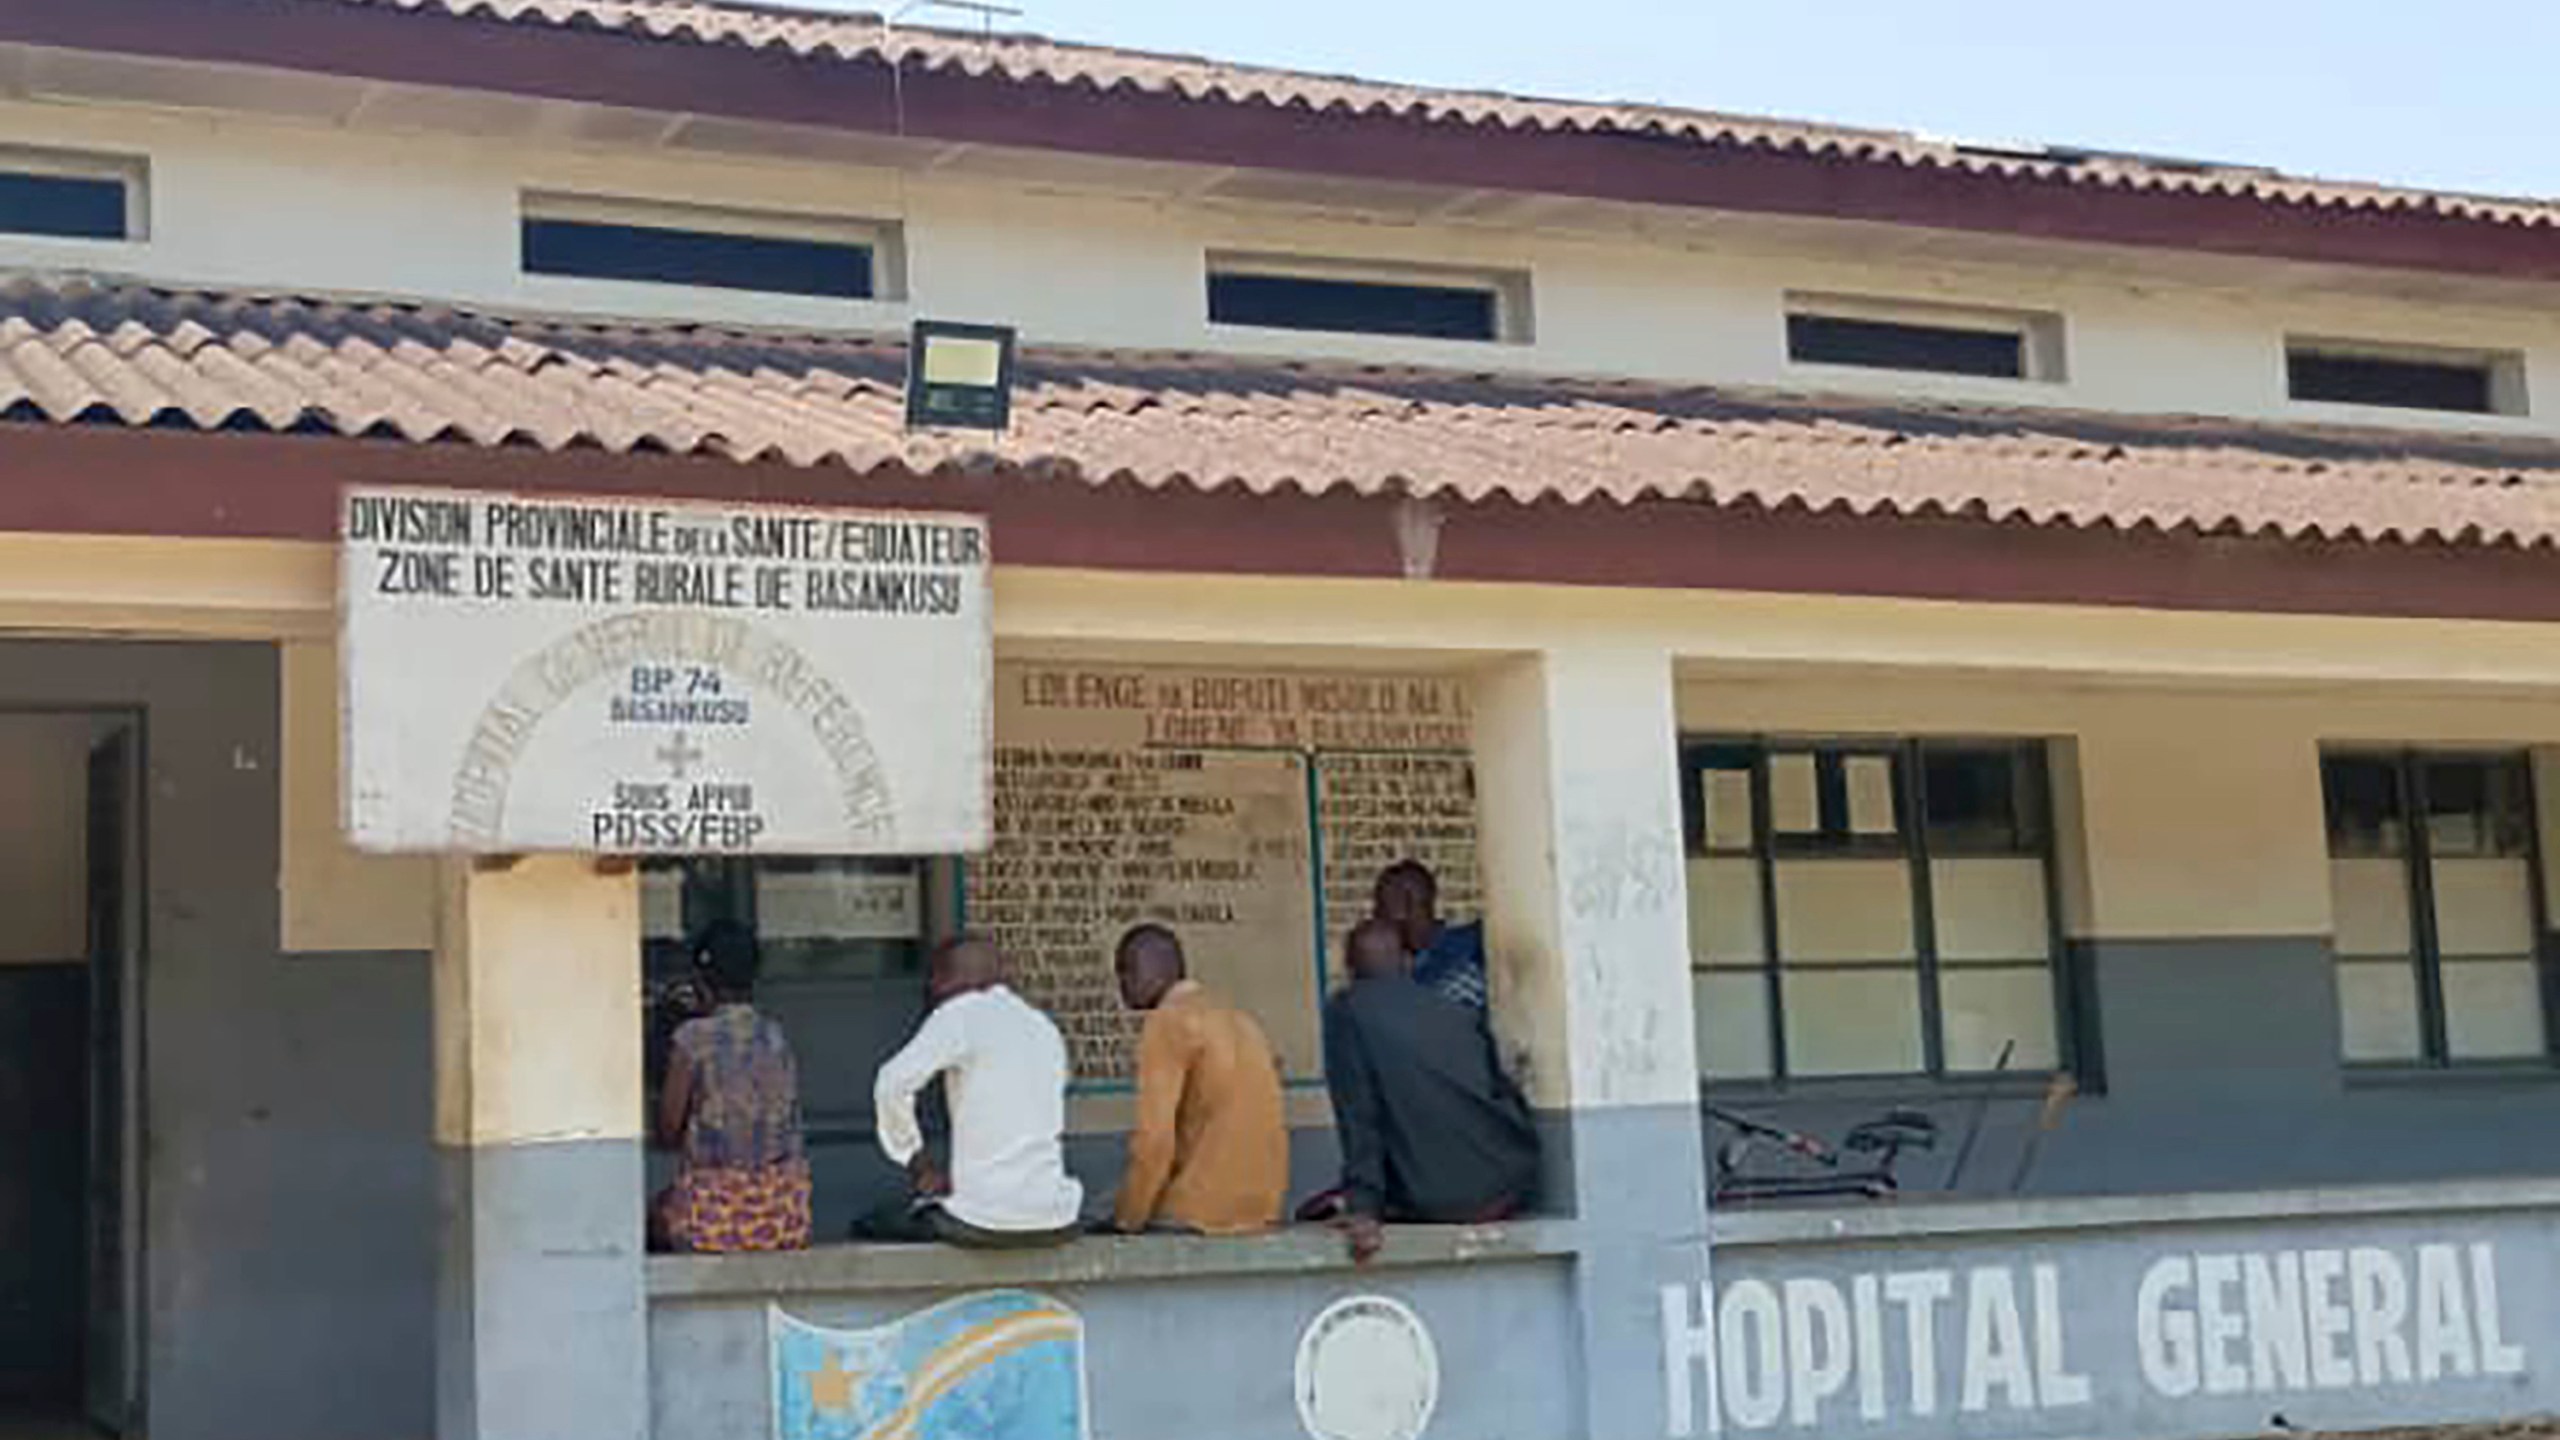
(731, 1112)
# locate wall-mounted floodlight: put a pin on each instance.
(959, 377)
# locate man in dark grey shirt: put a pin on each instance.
(1431, 1129)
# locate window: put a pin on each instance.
(1937, 339)
(2438, 917)
(1874, 908)
(72, 197)
(2405, 378)
(670, 245)
(843, 943)
(1280, 294)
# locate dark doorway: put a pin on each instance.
(68, 1133)
(44, 1127)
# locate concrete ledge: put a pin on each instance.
(1930, 1218)
(843, 1269)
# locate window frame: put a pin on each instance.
(2417, 859)
(1509, 289)
(734, 879)
(130, 172)
(730, 886)
(880, 240)
(2043, 357)
(2503, 370)
(1907, 754)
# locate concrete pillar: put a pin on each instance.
(1578, 783)
(542, 1305)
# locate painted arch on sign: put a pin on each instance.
(544, 682)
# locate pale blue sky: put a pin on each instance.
(2458, 94)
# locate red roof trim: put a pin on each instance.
(144, 483)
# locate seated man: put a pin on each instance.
(1004, 1073)
(1447, 958)
(1210, 1153)
(1431, 1129)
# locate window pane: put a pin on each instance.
(1725, 795)
(1853, 1022)
(2374, 380)
(2363, 794)
(1983, 800)
(1360, 307)
(1724, 913)
(2477, 806)
(679, 897)
(78, 207)
(1869, 795)
(779, 265)
(2483, 907)
(1733, 1024)
(1831, 911)
(2369, 903)
(2378, 1010)
(1897, 345)
(2492, 1009)
(1844, 801)
(1986, 1009)
(662, 905)
(1990, 910)
(1795, 795)
(838, 917)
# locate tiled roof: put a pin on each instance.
(1026, 58)
(80, 352)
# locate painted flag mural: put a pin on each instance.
(1005, 1365)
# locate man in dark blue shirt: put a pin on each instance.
(1431, 1128)
(1447, 958)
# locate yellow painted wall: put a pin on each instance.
(335, 898)
(43, 838)
(537, 993)
(1526, 955)
(287, 590)
(2227, 710)
(2202, 819)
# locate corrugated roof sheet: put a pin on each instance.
(1028, 58)
(83, 352)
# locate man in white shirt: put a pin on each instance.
(1004, 1076)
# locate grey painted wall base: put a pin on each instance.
(1631, 1177)
(2096, 1321)
(2221, 1072)
(1183, 1359)
(542, 1307)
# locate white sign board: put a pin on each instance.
(659, 677)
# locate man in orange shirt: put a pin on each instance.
(1210, 1153)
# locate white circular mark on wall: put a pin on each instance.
(1367, 1370)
